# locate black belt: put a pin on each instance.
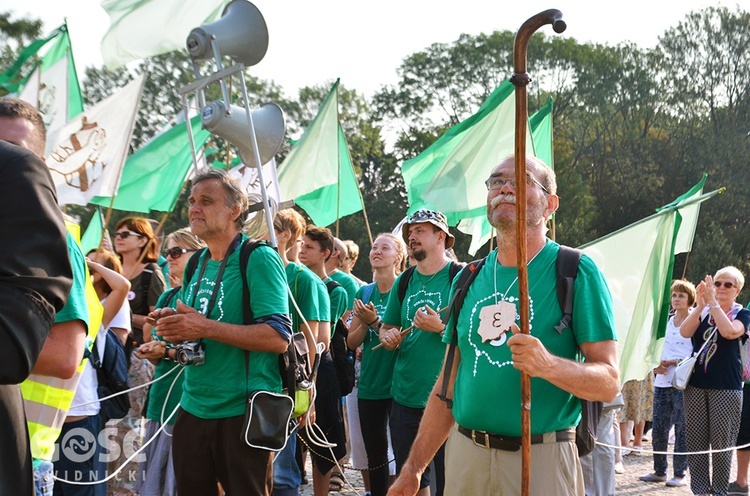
(511, 443)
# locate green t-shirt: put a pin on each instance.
(339, 300)
(347, 282)
(487, 393)
(376, 374)
(306, 288)
(217, 389)
(421, 353)
(158, 392)
(76, 308)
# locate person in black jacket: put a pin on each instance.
(35, 278)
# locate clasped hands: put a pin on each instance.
(183, 324)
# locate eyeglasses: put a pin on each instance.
(126, 234)
(176, 252)
(726, 284)
(497, 182)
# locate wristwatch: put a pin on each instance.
(715, 306)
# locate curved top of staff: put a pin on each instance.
(550, 16)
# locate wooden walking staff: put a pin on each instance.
(520, 79)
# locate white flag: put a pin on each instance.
(86, 155)
(250, 179)
(144, 28)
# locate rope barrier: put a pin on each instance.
(645, 451)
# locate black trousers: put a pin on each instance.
(373, 419)
(209, 451)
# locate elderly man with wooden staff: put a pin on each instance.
(483, 427)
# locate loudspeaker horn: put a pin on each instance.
(233, 126)
(240, 33)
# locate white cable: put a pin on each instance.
(169, 393)
(123, 392)
(121, 467)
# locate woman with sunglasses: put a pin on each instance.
(713, 398)
(388, 260)
(136, 245)
(157, 472)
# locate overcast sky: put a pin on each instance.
(363, 43)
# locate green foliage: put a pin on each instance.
(16, 34)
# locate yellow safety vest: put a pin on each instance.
(48, 399)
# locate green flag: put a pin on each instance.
(318, 173)
(637, 262)
(14, 76)
(541, 133)
(93, 235)
(152, 177)
(327, 204)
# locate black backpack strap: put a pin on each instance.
(331, 285)
(468, 274)
(192, 265)
(454, 269)
(246, 249)
(148, 272)
(567, 270)
(403, 282)
(172, 293)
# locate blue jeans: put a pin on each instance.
(43, 481)
(79, 460)
(404, 424)
(286, 474)
(669, 410)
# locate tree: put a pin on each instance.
(15, 34)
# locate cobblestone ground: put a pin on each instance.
(627, 483)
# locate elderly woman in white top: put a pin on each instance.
(668, 401)
(713, 397)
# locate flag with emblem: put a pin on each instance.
(86, 156)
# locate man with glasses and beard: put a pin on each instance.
(483, 424)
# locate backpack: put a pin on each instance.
(112, 377)
(566, 271)
(294, 362)
(403, 283)
(343, 357)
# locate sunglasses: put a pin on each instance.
(726, 284)
(176, 252)
(126, 234)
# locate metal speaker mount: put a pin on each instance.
(233, 126)
(240, 33)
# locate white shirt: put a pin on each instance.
(86, 391)
(675, 347)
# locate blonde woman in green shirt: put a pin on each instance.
(388, 260)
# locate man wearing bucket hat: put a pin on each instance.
(416, 299)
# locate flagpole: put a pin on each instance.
(520, 79)
(339, 132)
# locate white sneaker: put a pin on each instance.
(619, 468)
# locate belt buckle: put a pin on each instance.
(486, 443)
